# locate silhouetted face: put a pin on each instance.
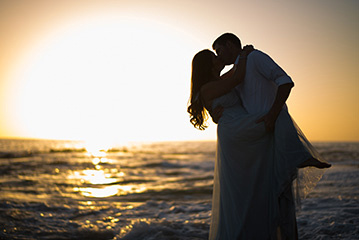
(224, 53)
(217, 65)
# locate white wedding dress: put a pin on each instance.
(254, 172)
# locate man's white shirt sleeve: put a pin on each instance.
(270, 70)
(259, 88)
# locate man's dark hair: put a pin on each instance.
(224, 38)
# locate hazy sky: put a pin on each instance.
(120, 70)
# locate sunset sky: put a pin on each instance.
(120, 70)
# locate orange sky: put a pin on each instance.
(68, 69)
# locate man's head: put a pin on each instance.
(227, 47)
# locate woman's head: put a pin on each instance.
(205, 66)
(202, 65)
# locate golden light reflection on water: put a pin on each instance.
(100, 177)
(107, 191)
(96, 154)
(93, 176)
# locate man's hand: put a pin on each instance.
(269, 121)
(247, 50)
(216, 113)
(270, 118)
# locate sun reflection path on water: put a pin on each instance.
(102, 180)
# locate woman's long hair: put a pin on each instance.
(202, 64)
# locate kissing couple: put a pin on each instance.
(261, 152)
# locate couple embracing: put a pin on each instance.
(260, 150)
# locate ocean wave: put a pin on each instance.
(130, 181)
(21, 154)
(341, 155)
(164, 230)
(34, 152)
(173, 193)
(67, 150)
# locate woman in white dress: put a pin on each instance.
(254, 169)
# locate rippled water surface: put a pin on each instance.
(70, 190)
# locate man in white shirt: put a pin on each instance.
(266, 86)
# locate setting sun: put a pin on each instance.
(103, 78)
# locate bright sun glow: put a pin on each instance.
(105, 79)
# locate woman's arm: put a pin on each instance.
(228, 74)
(218, 88)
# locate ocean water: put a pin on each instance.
(69, 190)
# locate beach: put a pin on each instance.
(53, 189)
